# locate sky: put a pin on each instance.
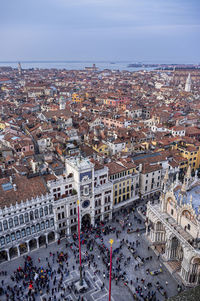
(154, 31)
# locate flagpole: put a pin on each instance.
(110, 276)
(79, 239)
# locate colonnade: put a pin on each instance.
(27, 246)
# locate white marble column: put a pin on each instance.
(46, 238)
(8, 255)
(28, 247)
(18, 252)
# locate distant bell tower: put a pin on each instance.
(19, 69)
(62, 103)
(188, 83)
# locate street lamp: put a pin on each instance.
(79, 239)
(111, 242)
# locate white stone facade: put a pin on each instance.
(36, 222)
(150, 182)
(173, 225)
(26, 226)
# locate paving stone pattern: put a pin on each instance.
(96, 272)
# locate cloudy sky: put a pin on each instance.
(136, 30)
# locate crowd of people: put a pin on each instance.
(44, 279)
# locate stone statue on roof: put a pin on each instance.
(188, 173)
(183, 188)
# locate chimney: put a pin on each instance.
(15, 187)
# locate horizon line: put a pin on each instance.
(92, 61)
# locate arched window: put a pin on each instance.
(28, 231)
(36, 213)
(7, 239)
(21, 219)
(16, 221)
(10, 222)
(50, 209)
(52, 222)
(2, 240)
(31, 216)
(26, 217)
(13, 236)
(42, 226)
(47, 224)
(38, 227)
(18, 235)
(33, 229)
(5, 225)
(46, 210)
(1, 227)
(41, 212)
(23, 233)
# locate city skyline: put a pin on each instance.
(85, 30)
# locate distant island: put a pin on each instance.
(139, 65)
(164, 66)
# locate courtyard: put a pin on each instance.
(134, 264)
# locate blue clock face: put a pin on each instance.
(85, 204)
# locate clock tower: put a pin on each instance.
(83, 173)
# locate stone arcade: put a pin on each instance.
(37, 210)
(173, 227)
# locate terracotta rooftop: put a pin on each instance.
(147, 168)
(25, 189)
(115, 168)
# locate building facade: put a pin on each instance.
(25, 224)
(125, 180)
(38, 210)
(173, 227)
(150, 180)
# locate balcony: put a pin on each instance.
(100, 188)
(58, 183)
(63, 197)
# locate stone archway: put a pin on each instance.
(171, 248)
(74, 229)
(51, 237)
(3, 256)
(97, 220)
(42, 240)
(180, 253)
(170, 204)
(174, 247)
(33, 244)
(13, 252)
(194, 276)
(23, 248)
(186, 217)
(86, 221)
